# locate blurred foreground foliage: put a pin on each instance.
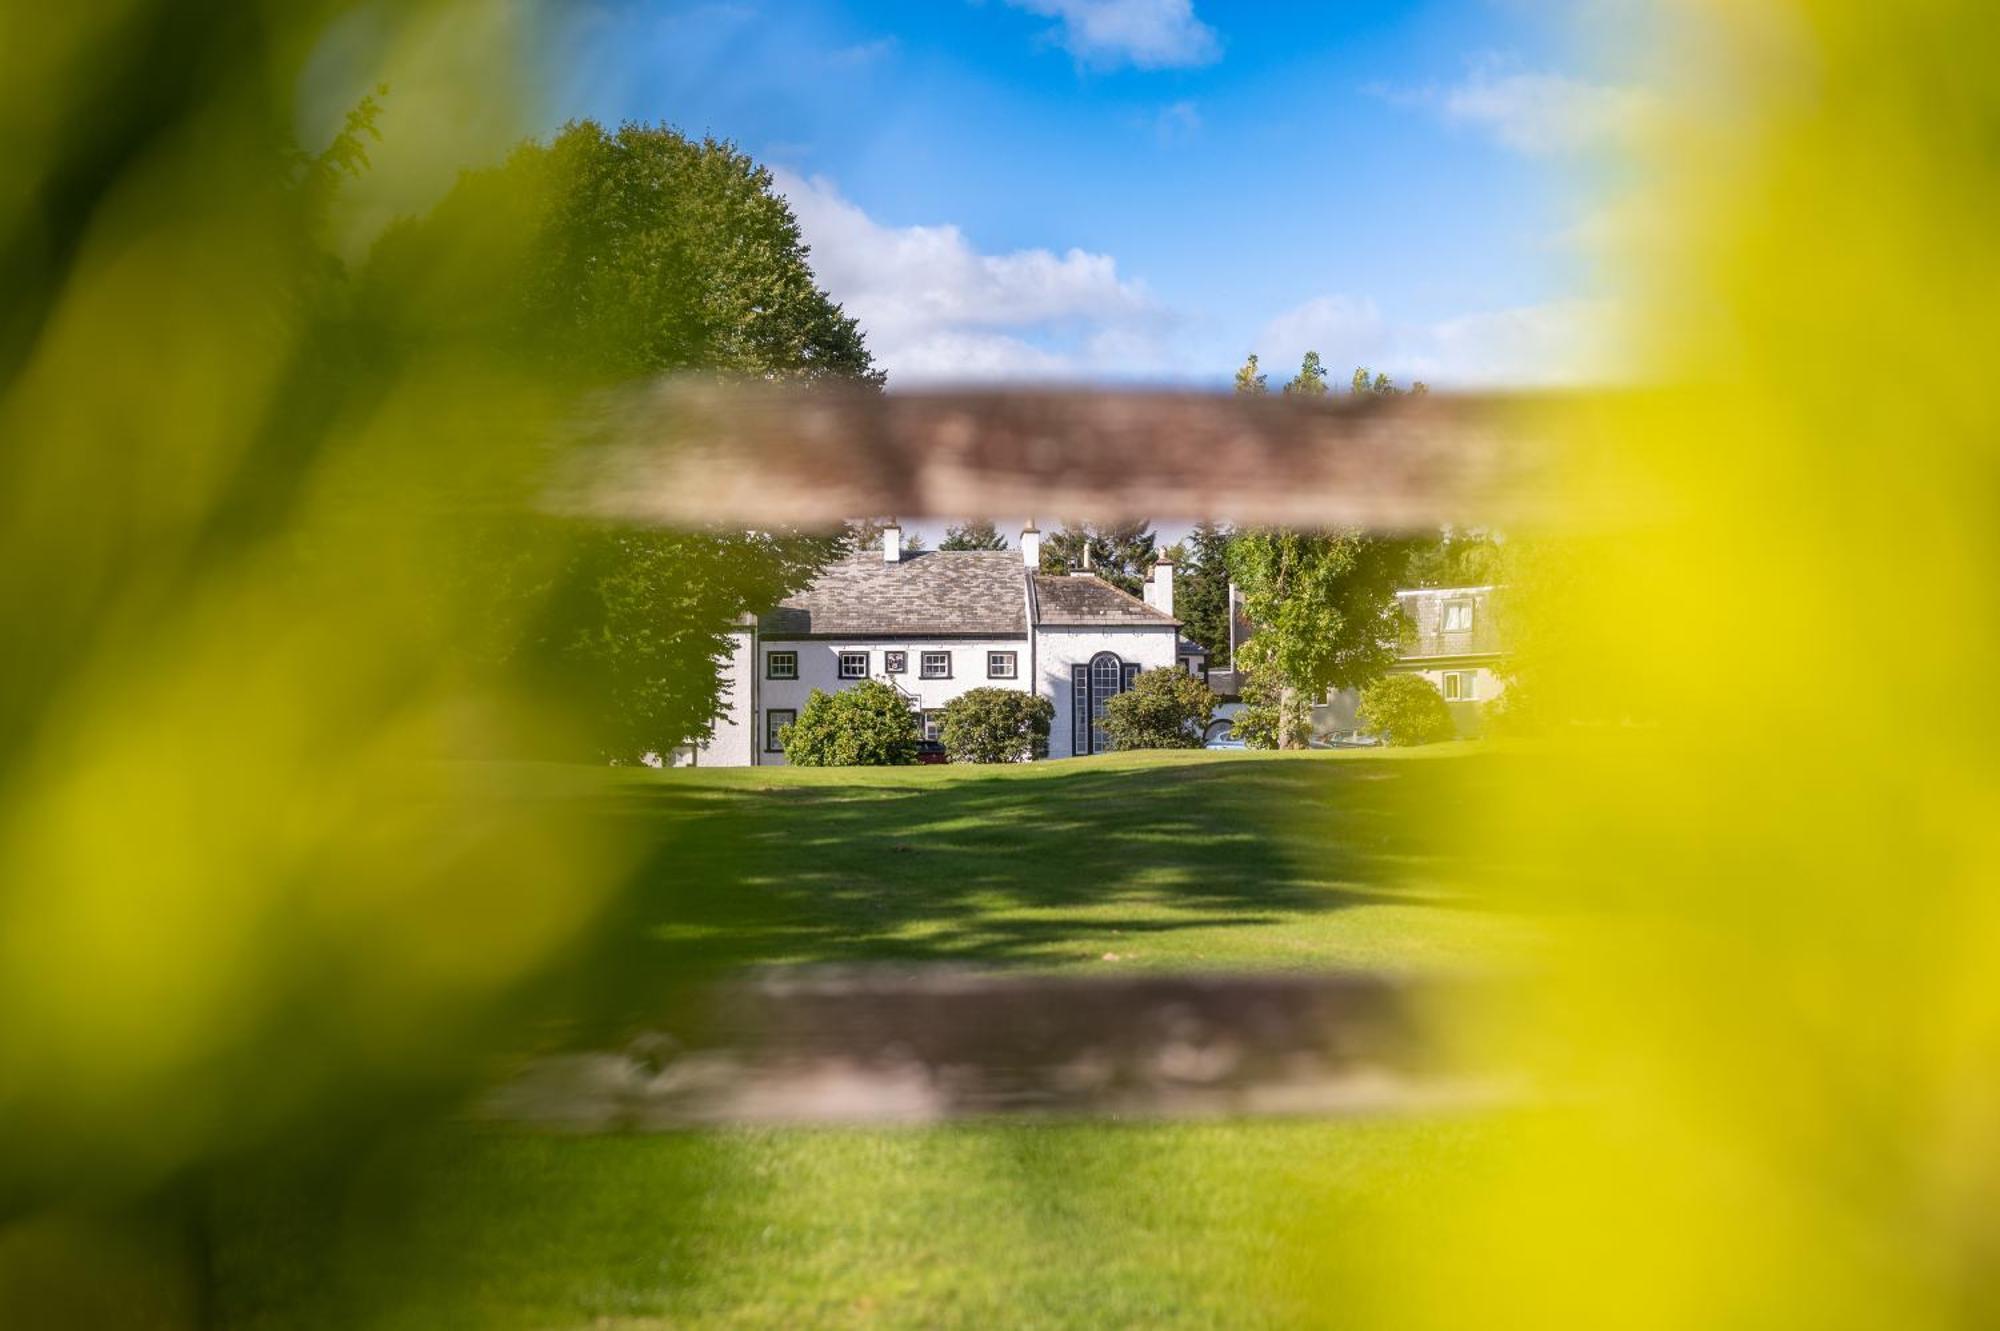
(255, 890)
(1779, 1023)
(250, 899)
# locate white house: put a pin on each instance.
(933, 625)
(1452, 639)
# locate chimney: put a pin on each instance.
(1031, 546)
(1160, 585)
(892, 543)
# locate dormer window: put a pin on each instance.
(1458, 616)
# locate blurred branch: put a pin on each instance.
(917, 1046)
(682, 451)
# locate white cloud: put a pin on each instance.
(961, 355)
(1539, 113)
(1345, 332)
(1148, 34)
(1545, 113)
(1557, 343)
(936, 309)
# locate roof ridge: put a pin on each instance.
(1073, 592)
(1136, 600)
(1139, 601)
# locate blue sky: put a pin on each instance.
(1151, 189)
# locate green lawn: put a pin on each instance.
(1158, 860)
(1172, 860)
(1264, 1225)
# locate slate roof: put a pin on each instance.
(974, 593)
(1068, 600)
(1427, 637)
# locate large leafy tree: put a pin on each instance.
(598, 258)
(628, 254)
(1324, 606)
(1463, 557)
(1323, 603)
(1457, 557)
(1120, 552)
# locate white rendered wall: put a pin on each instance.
(734, 741)
(1057, 650)
(819, 668)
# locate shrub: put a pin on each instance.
(996, 726)
(1273, 717)
(1518, 711)
(1405, 709)
(1164, 709)
(869, 725)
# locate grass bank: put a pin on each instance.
(1148, 860)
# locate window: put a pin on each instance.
(1109, 677)
(895, 663)
(1000, 665)
(1461, 686)
(936, 665)
(1458, 616)
(776, 719)
(933, 724)
(854, 665)
(1079, 716)
(1091, 687)
(781, 665)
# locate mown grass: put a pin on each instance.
(1167, 860)
(1153, 860)
(979, 1226)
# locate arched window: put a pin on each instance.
(1094, 685)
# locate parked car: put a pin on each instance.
(930, 751)
(1226, 741)
(1357, 740)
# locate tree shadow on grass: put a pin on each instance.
(1005, 868)
(1014, 867)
